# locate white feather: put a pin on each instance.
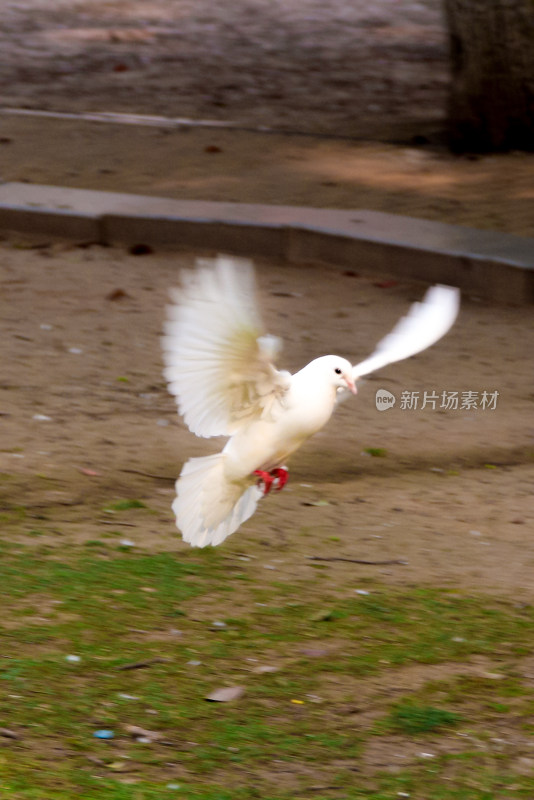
(218, 360)
(425, 323)
(208, 507)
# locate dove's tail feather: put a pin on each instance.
(208, 507)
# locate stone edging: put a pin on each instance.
(492, 266)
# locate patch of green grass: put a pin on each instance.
(376, 452)
(250, 741)
(414, 719)
(125, 505)
(13, 513)
(486, 691)
(140, 623)
(467, 776)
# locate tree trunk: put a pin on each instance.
(491, 104)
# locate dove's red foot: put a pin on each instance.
(282, 474)
(278, 475)
(265, 478)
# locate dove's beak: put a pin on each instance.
(349, 380)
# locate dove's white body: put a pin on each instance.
(268, 442)
(219, 366)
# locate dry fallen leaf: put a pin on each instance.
(140, 249)
(323, 615)
(388, 284)
(117, 294)
(226, 694)
(117, 766)
(9, 734)
(136, 730)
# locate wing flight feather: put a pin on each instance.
(218, 360)
(425, 323)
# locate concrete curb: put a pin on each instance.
(493, 266)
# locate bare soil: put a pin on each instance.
(354, 96)
(87, 420)
(342, 68)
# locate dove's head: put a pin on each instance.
(337, 371)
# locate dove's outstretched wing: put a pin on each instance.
(218, 360)
(425, 323)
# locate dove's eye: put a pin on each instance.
(337, 371)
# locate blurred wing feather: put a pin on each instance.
(218, 363)
(425, 323)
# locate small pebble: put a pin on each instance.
(73, 659)
(218, 624)
(127, 543)
(75, 351)
(361, 591)
(265, 668)
(42, 418)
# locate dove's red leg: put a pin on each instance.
(282, 474)
(266, 478)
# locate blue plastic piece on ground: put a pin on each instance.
(104, 734)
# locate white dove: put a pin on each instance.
(219, 366)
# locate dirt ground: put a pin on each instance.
(452, 496)
(342, 68)
(309, 71)
(433, 500)
(87, 419)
